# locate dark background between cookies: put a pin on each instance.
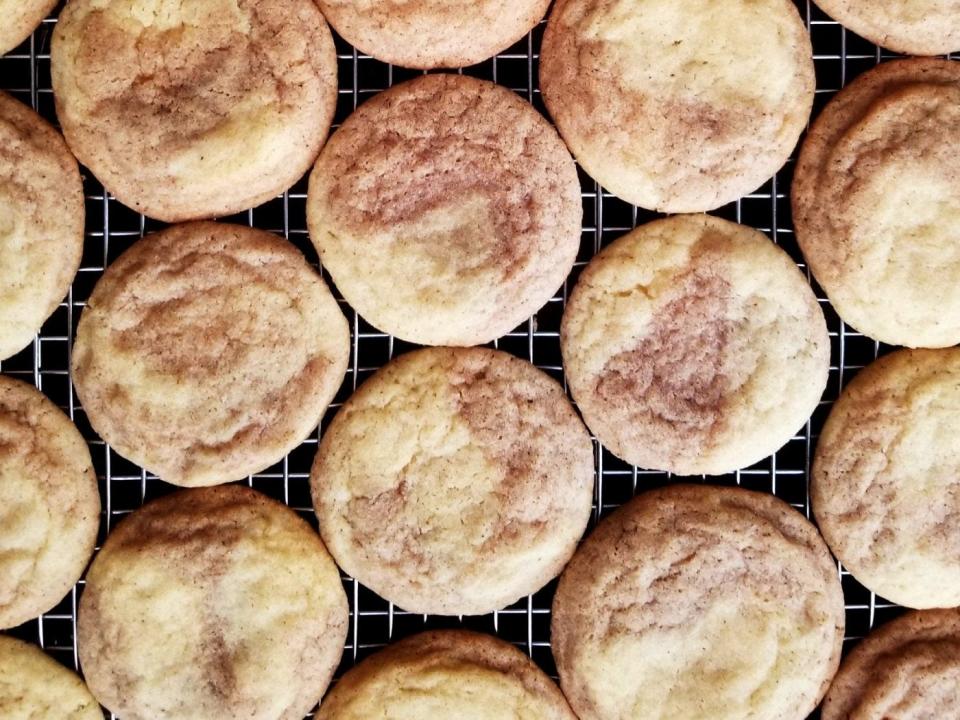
(111, 228)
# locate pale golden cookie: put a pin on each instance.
(212, 603)
(454, 481)
(876, 202)
(908, 669)
(446, 209)
(446, 674)
(49, 504)
(34, 686)
(694, 345)
(188, 110)
(208, 351)
(19, 19)
(41, 222)
(912, 27)
(885, 486)
(433, 33)
(678, 106)
(699, 602)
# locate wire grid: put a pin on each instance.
(111, 228)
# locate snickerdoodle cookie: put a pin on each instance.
(886, 478)
(699, 602)
(907, 669)
(20, 18)
(212, 603)
(694, 345)
(876, 202)
(446, 209)
(208, 351)
(454, 481)
(34, 686)
(449, 673)
(49, 505)
(188, 110)
(433, 33)
(678, 106)
(41, 222)
(913, 27)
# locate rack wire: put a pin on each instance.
(839, 56)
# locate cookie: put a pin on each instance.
(448, 673)
(455, 481)
(49, 504)
(33, 685)
(41, 222)
(433, 33)
(215, 603)
(207, 352)
(678, 106)
(876, 196)
(694, 345)
(187, 110)
(908, 668)
(446, 209)
(699, 601)
(912, 27)
(885, 486)
(20, 19)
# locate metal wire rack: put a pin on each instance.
(111, 228)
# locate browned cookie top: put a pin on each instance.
(908, 669)
(876, 202)
(189, 110)
(20, 18)
(35, 686)
(912, 27)
(446, 209)
(694, 345)
(41, 222)
(49, 504)
(886, 477)
(699, 601)
(678, 106)
(449, 673)
(208, 351)
(433, 33)
(454, 481)
(212, 603)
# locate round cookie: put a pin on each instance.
(188, 110)
(455, 481)
(694, 345)
(212, 602)
(207, 352)
(34, 685)
(912, 27)
(678, 106)
(699, 601)
(876, 198)
(449, 673)
(49, 504)
(41, 222)
(885, 486)
(20, 19)
(908, 668)
(446, 209)
(433, 33)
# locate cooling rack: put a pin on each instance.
(111, 228)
